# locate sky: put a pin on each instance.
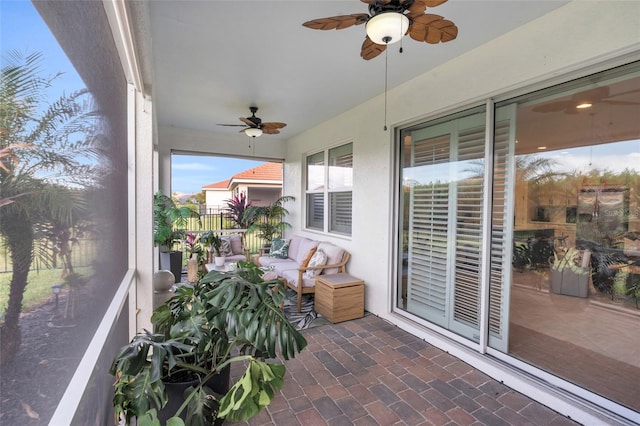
(22, 29)
(190, 173)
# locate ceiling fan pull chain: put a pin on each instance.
(386, 79)
(401, 37)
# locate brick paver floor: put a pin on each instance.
(370, 372)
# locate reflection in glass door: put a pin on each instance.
(574, 280)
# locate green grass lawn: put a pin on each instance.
(38, 287)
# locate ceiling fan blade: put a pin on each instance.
(606, 101)
(417, 8)
(433, 3)
(271, 131)
(553, 106)
(337, 22)
(248, 122)
(628, 92)
(232, 125)
(272, 125)
(370, 49)
(432, 29)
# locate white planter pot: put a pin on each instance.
(219, 261)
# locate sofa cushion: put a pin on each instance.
(318, 259)
(334, 255)
(236, 244)
(294, 245)
(270, 261)
(279, 248)
(285, 265)
(291, 276)
(305, 247)
(235, 258)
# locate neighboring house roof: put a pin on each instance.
(265, 173)
(219, 186)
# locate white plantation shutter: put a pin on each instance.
(468, 227)
(340, 214)
(445, 223)
(501, 229)
(428, 223)
(315, 211)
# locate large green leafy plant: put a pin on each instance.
(167, 219)
(225, 318)
(268, 221)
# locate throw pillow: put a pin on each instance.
(279, 248)
(225, 247)
(318, 259)
(306, 260)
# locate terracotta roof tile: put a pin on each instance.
(218, 185)
(266, 171)
(263, 172)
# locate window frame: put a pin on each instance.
(326, 193)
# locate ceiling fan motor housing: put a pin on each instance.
(255, 120)
(377, 7)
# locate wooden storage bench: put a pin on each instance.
(339, 297)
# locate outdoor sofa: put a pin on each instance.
(299, 260)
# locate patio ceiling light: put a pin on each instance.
(387, 27)
(253, 132)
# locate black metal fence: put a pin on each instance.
(83, 253)
(85, 250)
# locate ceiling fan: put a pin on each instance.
(254, 127)
(585, 100)
(389, 20)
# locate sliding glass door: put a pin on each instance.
(442, 176)
(541, 214)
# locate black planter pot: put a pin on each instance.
(172, 261)
(175, 393)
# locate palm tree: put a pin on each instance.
(49, 140)
(268, 221)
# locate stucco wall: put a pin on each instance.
(578, 39)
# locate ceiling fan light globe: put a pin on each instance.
(387, 27)
(253, 132)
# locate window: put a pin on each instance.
(329, 184)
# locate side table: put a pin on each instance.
(339, 297)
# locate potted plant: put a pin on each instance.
(214, 242)
(570, 273)
(195, 257)
(268, 221)
(225, 318)
(167, 216)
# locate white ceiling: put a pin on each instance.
(212, 59)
